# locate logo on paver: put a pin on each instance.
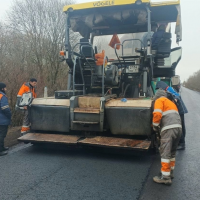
(104, 3)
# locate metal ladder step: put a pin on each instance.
(83, 122)
(87, 110)
(81, 70)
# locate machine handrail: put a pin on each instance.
(74, 69)
(116, 51)
(84, 55)
(104, 62)
(123, 47)
(132, 40)
(74, 72)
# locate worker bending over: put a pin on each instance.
(166, 119)
(181, 109)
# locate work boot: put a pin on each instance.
(5, 148)
(181, 146)
(3, 153)
(172, 174)
(162, 179)
(24, 133)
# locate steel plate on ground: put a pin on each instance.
(116, 143)
(49, 138)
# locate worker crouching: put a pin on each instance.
(167, 119)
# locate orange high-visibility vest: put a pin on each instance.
(166, 114)
(26, 88)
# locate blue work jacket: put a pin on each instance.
(157, 38)
(180, 104)
(5, 113)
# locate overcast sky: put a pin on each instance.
(191, 34)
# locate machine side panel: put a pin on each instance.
(129, 120)
(50, 118)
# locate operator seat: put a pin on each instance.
(163, 48)
(86, 48)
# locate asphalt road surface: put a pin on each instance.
(31, 173)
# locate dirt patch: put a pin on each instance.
(12, 135)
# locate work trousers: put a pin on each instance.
(3, 133)
(182, 140)
(26, 122)
(168, 145)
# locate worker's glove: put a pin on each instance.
(18, 100)
(17, 108)
(156, 128)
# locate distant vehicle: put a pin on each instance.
(108, 98)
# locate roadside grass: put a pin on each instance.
(12, 135)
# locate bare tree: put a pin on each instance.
(41, 24)
(29, 47)
(193, 81)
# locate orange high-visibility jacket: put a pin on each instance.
(166, 114)
(26, 88)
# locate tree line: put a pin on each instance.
(30, 40)
(193, 81)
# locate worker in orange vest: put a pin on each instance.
(27, 87)
(167, 121)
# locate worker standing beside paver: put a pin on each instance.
(166, 119)
(26, 88)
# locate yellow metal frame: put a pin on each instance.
(166, 3)
(108, 3)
